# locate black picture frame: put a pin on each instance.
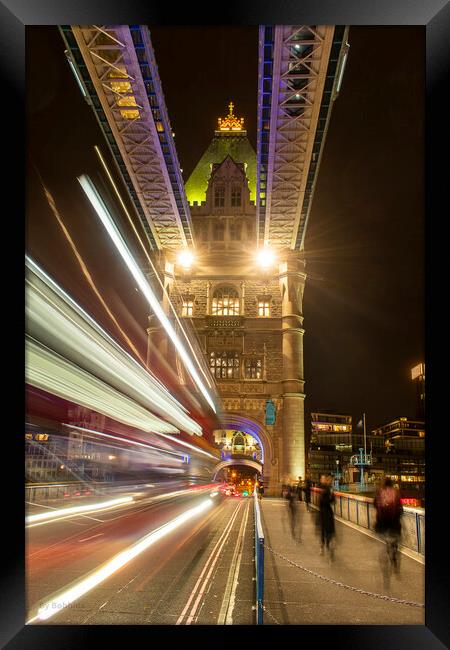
(15, 15)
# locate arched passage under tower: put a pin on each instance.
(245, 443)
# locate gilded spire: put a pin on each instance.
(231, 122)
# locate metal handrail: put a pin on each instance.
(259, 560)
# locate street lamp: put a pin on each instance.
(185, 259)
(265, 257)
(336, 482)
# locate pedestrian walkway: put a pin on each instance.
(303, 587)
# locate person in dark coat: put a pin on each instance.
(326, 514)
(299, 488)
(307, 493)
(389, 510)
(292, 508)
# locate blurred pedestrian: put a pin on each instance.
(299, 488)
(260, 491)
(292, 508)
(307, 493)
(326, 515)
(389, 510)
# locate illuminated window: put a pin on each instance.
(263, 307)
(130, 115)
(225, 365)
(188, 306)
(219, 196)
(225, 302)
(253, 369)
(236, 196)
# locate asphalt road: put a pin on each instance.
(200, 572)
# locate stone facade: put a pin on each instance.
(248, 321)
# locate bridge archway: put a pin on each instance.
(255, 428)
(247, 462)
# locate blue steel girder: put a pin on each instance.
(119, 72)
(300, 69)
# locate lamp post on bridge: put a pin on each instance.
(337, 475)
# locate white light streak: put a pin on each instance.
(341, 71)
(59, 322)
(92, 580)
(77, 76)
(44, 277)
(50, 372)
(113, 232)
(76, 510)
(127, 441)
(149, 259)
(158, 433)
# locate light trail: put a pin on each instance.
(85, 270)
(158, 433)
(57, 321)
(54, 287)
(50, 372)
(66, 597)
(149, 259)
(105, 217)
(159, 450)
(64, 513)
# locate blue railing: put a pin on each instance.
(259, 560)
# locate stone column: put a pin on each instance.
(292, 282)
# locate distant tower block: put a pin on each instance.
(418, 377)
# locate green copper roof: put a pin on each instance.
(239, 148)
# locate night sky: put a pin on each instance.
(364, 296)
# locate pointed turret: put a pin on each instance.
(230, 139)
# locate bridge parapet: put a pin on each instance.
(359, 510)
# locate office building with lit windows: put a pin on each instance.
(332, 443)
(399, 453)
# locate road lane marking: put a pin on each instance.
(85, 539)
(206, 522)
(206, 584)
(227, 608)
(229, 524)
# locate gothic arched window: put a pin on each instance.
(225, 302)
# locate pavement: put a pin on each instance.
(297, 595)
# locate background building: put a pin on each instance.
(332, 443)
(418, 377)
(399, 453)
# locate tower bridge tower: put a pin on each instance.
(247, 318)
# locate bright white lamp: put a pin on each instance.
(185, 259)
(265, 257)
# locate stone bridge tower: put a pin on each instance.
(248, 318)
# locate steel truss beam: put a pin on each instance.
(298, 66)
(118, 68)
